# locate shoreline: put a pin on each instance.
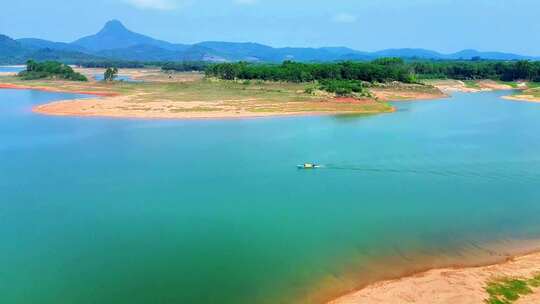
(523, 98)
(54, 90)
(46, 110)
(450, 284)
(88, 107)
(140, 103)
(164, 96)
(118, 106)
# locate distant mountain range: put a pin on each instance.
(116, 42)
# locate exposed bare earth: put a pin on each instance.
(471, 87)
(120, 106)
(528, 94)
(402, 92)
(444, 286)
(523, 97)
(187, 95)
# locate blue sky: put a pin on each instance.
(442, 25)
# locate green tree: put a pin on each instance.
(49, 69)
(110, 74)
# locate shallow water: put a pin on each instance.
(126, 78)
(156, 211)
(11, 69)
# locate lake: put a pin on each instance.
(11, 69)
(126, 78)
(96, 210)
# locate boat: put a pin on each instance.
(308, 166)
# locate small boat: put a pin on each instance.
(308, 166)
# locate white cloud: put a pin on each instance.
(173, 4)
(245, 2)
(154, 4)
(345, 18)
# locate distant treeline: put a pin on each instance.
(50, 69)
(470, 70)
(380, 70)
(113, 63)
(186, 66)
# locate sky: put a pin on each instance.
(368, 25)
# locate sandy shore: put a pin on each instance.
(407, 93)
(120, 107)
(523, 97)
(160, 103)
(185, 97)
(54, 90)
(450, 86)
(446, 285)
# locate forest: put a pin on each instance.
(183, 66)
(50, 69)
(379, 70)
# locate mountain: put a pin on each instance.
(10, 50)
(37, 44)
(238, 51)
(469, 54)
(66, 56)
(140, 52)
(14, 52)
(409, 53)
(258, 52)
(114, 35)
(115, 42)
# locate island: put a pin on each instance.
(244, 90)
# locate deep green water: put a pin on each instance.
(209, 211)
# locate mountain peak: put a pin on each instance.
(113, 26)
(114, 35)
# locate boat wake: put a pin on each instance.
(471, 172)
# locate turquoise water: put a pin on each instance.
(11, 69)
(214, 211)
(127, 78)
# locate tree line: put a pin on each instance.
(185, 66)
(471, 70)
(50, 69)
(379, 70)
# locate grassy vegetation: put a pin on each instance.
(471, 84)
(533, 85)
(213, 95)
(513, 84)
(533, 90)
(509, 290)
(344, 88)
